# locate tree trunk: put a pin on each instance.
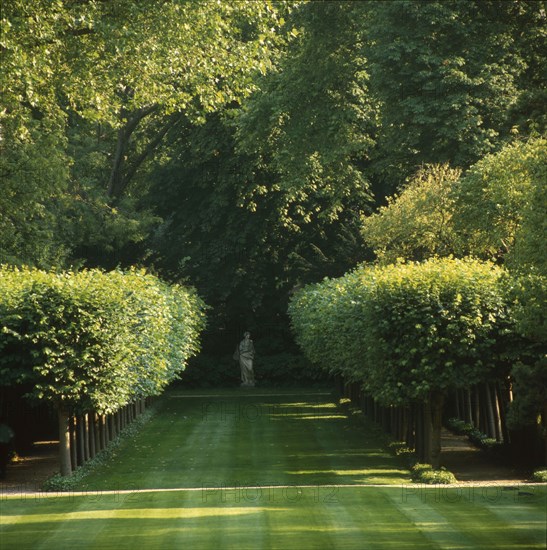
(468, 409)
(410, 437)
(477, 407)
(85, 424)
(420, 433)
(118, 181)
(112, 426)
(104, 438)
(91, 424)
(80, 433)
(427, 429)
(491, 425)
(437, 402)
(98, 433)
(544, 422)
(457, 411)
(497, 412)
(107, 432)
(502, 400)
(73, 443)
(63, 420)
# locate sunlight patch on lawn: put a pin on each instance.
(139, 513)
(314, 416)
(367, 471)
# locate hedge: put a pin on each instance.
(408, 333)
(94, 341)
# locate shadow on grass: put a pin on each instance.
(357, 517)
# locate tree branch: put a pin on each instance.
(124, 134)
(153, 144)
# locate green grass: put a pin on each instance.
(255, 469)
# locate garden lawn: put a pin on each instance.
(257, 469)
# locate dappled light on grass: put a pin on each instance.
(222, 473)
(297, 416)
(327, 517)
(137, 513)
(250, 440)
(366, 472)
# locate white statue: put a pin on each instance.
(245, 353)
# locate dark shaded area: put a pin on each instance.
(30, 421)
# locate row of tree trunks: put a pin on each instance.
(484, 406)
(81, 437)
(420, 425)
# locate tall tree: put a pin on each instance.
(241, 248)
(106, 62)
(312, 123)
(449, 75)
(416, 224)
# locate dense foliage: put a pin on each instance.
(251, 148)
(416, 223)
(454, 78)
(408, 332)
(406, 329)
(495, 197)
(92, 340)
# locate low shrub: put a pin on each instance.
(280, 369)
(400, 448)
(437, 477)
(474, 435)
(540, 476)
(424, 473)
(286, 368)
(418, 468)
(459, 426)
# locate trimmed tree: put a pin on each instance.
(409, 333)
(93, 341)
(432, 328)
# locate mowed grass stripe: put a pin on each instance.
(234, 440)
(482, 521)
(363, 517)
(227, 459)
(464, 517)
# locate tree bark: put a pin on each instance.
(63, 420)
(73, 442)
(420, 432)
(503, 401)
(132, 120)
(107, 432)
(427, 429)
(98, 433)
(102, 424)
(437, 402)
(410, 437)
(477, 407)
(497, 412)
(85, 424)
(112, 426)
(120, 178)
(457, 412)
(91, 424)
(468, 409)
(80, 433)
(544, 422)
(491, 425)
